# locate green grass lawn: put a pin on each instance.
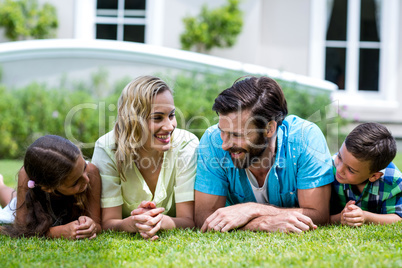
(329, 246)
(332, 246)
(9, 170)
(398, 161)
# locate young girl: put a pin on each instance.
(146, 164)
(58, 193)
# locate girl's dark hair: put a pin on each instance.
(48, 161)
(262, 96)
(372, 142)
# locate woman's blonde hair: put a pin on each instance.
(134, 107)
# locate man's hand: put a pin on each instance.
(228, 218)
(352, 215)
(286, 221)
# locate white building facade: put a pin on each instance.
(352, 43)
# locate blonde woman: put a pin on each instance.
(147, 166)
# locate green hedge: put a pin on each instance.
(83, 111)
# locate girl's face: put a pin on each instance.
(77, 181)
(161, 123)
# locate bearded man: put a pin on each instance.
(259, 169)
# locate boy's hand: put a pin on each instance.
(352, 215)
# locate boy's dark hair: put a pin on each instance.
(48, 161)
(372, 142)
(262, 96)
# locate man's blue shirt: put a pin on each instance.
(302, 161)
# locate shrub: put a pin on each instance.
(213, 28)
(78, 112)
(23, 19)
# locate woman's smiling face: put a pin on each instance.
(161, 122)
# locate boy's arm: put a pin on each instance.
(355, 216)
(369, 217)
(335, 219)
(380, 218)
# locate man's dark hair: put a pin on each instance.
(372, 142)
(262, 96)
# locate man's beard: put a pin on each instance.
(253, 152)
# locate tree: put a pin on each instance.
(213, 28)
(23, 19)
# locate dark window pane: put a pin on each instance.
(337, 22)
(134, 33)
(369, 69)
(335, 66)
(368, 21)
(107, 4)
(134, 4)
(106, 31)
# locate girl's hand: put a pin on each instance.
(68, 230)
(86, 228)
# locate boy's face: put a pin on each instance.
(350, 170)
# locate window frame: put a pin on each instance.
(86, 20)
(386, 94)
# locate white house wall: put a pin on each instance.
(65, 16)
(276, 34)
(285, 35)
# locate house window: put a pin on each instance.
(122, 20)
(353, 44)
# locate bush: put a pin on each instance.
(78, 112)
(213, 28)
(23, 19)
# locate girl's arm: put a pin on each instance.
(95, 183)
(22, 189)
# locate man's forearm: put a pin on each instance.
(286, 221)
(259, 210)
(266, 219)
(317, 216)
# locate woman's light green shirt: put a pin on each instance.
(175, 182)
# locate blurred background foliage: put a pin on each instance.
(217, 27)
(84, 111)
(26, 19)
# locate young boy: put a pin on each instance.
(367, 186)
